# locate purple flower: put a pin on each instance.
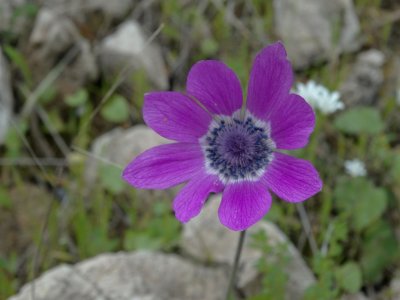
(226, 145)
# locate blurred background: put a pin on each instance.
(72, 78)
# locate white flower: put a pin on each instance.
(355, 168)
(319, 97)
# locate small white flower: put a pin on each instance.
(355, 168)
(319, 97)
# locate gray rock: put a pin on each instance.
(56, 36)
(363, 84)
(6, 97)
(80, 10)
(309, 28)
(128, 276)
(393, 291)
(120, 146)
(206, 239)
(128, 46)
(358, 296)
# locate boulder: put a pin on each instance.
(6, 97)
(309, 28)
(53, 38)
(121, 146)
(357, 296)
(82, 10)
(129, 276)
(366, 78)
(205, 239)
(128, 47)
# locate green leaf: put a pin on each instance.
(5, 200)
(77, 99)
(360, 120)
(349, 277)
(364, 202)
(110, 177)
(116, 110)
(209, 46)
(379, 251)
(20, 62)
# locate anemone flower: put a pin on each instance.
(225, 145)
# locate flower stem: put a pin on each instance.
(232, 279)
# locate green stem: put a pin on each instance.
(232, 279)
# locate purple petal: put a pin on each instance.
(190, 200)
(292, 179)
(216, 86)
(270, 80)
(175, 116)
(243, 204)
(164, 166)
(292, 123)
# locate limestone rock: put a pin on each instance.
(55, 36)
(206, 239)
(128, 46)
(81, 10)
(365, 80)
(358, 296)
(307, 27)
(127, 276)
(120, 146)
(6, 97)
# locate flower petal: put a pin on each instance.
(175, 116)
(164, 166)
(243, 204)
(270, 80)
(292, 179)
(190, 200)
(292, 123)
(216, 86)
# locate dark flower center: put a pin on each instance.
(237, 148)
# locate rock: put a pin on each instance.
(120, 146)
(81, 10)
(6, 97)
(15, 16)
(205, 239)
(309, 27)
(393, 291)
(128, 276)
(128, 46)
(363, 84)
(53, 38)
(358, 296)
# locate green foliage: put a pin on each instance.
(272, 266)
(116, 109)
(360, 120)
(160, 231)
(91, 229)
(78, 98)
(361, 200)
(349, 277)
(110, 178)
(380, 250)
(20, 62)
(5, 200)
